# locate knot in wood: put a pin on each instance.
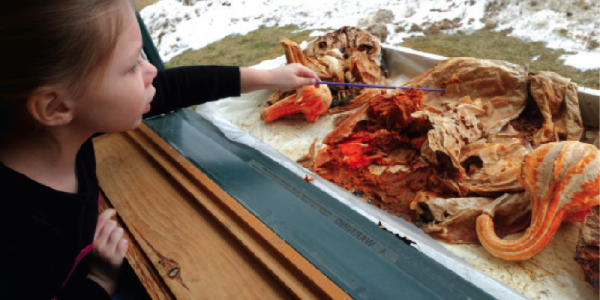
(173, 272)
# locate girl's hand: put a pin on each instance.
(109, 251)
(293, 76)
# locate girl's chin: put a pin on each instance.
(135, 125)
(147, 109)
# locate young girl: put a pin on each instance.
(72, 68)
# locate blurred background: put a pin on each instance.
(547, 35)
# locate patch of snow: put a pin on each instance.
(317, 33)
(583, 61)
(176, 26)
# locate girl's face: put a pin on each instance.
(117, 102)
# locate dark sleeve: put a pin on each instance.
(29, 270)
(181, 87)
(84, 289)
(81, 287)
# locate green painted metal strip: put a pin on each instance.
(364, 260)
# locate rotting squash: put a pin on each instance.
(375, 151)
(308, 100)
(347, 55)
(563, 182)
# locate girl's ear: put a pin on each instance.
(50, 107)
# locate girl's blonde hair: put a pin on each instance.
(45, 42)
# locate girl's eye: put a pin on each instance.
(136, 66)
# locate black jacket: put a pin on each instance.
(46, 235)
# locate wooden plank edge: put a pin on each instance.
(142, 266)
(294, 271)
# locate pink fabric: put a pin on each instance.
(77, 260)
(79, 257)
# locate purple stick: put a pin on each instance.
(378, 86)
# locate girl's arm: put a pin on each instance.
(185, 86)
(284, 78)
(181, 87)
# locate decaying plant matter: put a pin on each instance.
(498, 88)
(373, 154)
(557, 100)
(401, 142)
(444, 161)
(587, 254)
(563, 182)
(347, 55)
(309, 100)
(453, 219)
(474, 164)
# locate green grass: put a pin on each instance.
(497, 45)
(139, 4)
(263, 43)
(242, 50)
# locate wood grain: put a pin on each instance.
(140, 263)
(200, 240)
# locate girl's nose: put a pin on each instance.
(150, 72)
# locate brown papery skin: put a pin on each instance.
(563, 182)
(588, 250)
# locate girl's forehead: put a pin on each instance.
(131, 28)
(130, 40)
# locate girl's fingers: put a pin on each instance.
(111, 246)
(300, 82)
(307, 73)
(104, 233)
(102, 218)
(293, 76)
(113, 239)
(306, 76)
(122, 247)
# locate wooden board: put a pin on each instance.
(197, 239)
(154, 284)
